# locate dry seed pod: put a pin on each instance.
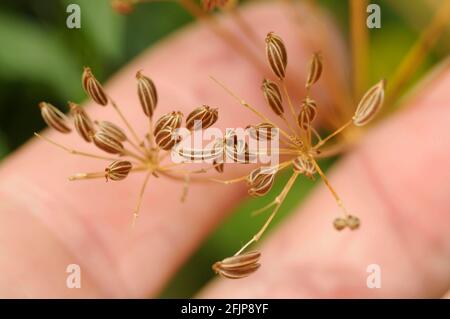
(276, 55)
(118, 170)
(93, 87)
(307, 113)
(209, 5)
(170, 120)
(122, 6)
(219, 167)
(339, 223)
(262, 131)
(315, 70)
(147, 93)
(261, 180)
(273, 96)
(166, 138)
(304, 166)
(112, 130)
(370, 104)
(82, 122)
(239, 266)
(201, 118)
(54, 118)
(107, 142)
(353, 222)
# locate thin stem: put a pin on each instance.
(291, 106)
(278, 201)
(97, 175)
(327, 183)
(83, 176)
(228, 37)
(418, 52)
(319, 39)
(248, 106)
(230, 181)
(187, 179)
(316, 134)
(339, 130)
(141, 195)
(243, 178)
(125, 121)
(245, 27)
(134, 155)
(263, 209)
(137, 148)
(151, 137)
(288, 125)
(181, 178)
(359, 45)
(333, 150)
(73, 151)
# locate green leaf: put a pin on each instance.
(103, 28)
(4, 149)
(30, 52)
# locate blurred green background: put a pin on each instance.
(40, 59)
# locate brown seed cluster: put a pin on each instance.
(300, 142)
(352, 222)
(126, 152)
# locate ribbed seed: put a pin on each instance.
(54, 118)
(112, 129)
(339, 223)
(201, 118)
(170, 120)
(93, 87)
(261, 180)
(147, 93)
(353, 222)
(273, 96)
(82, 122)
(118, 170)
(107, 143)
(262, 131)
(239, 266)
(315, 70)
(166, 138)
(370, 104)
(276, 55)
(308, 112)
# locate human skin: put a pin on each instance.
(395, 180)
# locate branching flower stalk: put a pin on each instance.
(127, 155)
(302, 143)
